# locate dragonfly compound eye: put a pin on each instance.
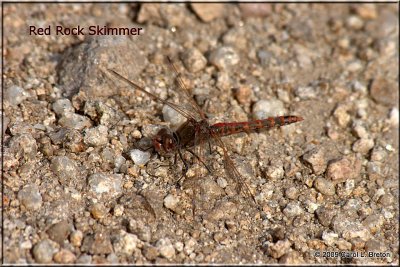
(169, 144)
(157, 145)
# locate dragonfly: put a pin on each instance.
(196, 131)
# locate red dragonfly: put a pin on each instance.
(197, 131)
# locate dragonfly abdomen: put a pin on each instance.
(224, 129)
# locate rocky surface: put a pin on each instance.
(83, 185)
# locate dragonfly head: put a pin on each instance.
(164, 142)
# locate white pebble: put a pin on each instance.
(268, 108)
(166, 248)
(329, 238)
(170, 202)
(173, 117)
(139, 157)
(394, 116)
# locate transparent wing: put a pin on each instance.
(232, 172)
(184, 93)
(182, 111)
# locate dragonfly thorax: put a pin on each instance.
(165, 141)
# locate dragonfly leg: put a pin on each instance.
(202, 162)
(185, 165)
(209, 147)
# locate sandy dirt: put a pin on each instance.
(80, 187)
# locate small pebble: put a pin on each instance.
(150, 252)
(255, 9)
(354, 66)
(386, 200)
(59, 232)
(165, 248)
(378, 154)
(363, 145)
(98, 211)
(105, 185)
(23, 145)
(190, 245)
(75, 121)
(234, 37)
(341, 115)
(311, 206)
(224, 81)
(360, 130)
(350, 229)
(329, 238)
(324, 186)
(283, 95)
(219, 237)
(64, 256)
(275, 171)
(343, 244)
(348, 187)
(30, 197)
(278, 249)
(342, 169)
(173, 117)
(76, 238)
(366, 11)
(265, 57)
(63, 106)
(325, 216)
(263, 109)
(393, 117)
(344, 43)
(374, 222)
(223, 210)
(316, 158)
(142, 230)
(292, 209)
(389, 147)
(194, 60)
(208, 11)
(126, 243)
(139, 157)
(374, 170)
(359, 87)
(70, 139)
(292, 193)
(243, 94)
(15, 95)
(211, 188)
(178, 246)
(171, 202)
(84, 259)
(26, 244)
(118, 210)
(224, 58)
(65, 168)
(305, 93)
(222, 182)
(355, 22)
(96, 136)
(384, 91)
(97, 243)
(113, 258)
(44, 250)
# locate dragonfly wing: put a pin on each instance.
(184, 92)
(182, 111)
(232, 172)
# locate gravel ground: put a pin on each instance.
(78, 187)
